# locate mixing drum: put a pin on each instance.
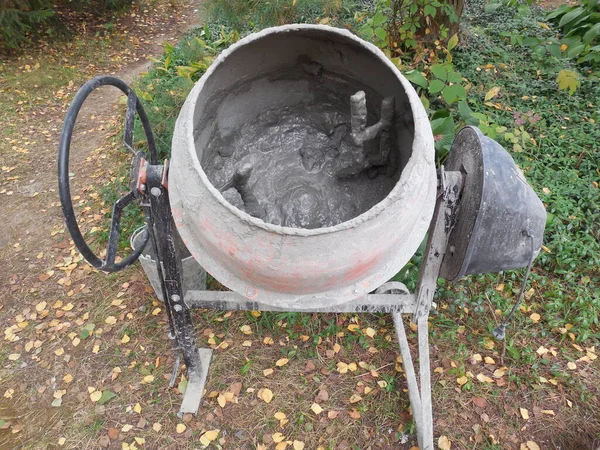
(302, 168)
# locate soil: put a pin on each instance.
(34, 247)
(69, 331)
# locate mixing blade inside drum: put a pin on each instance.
(314, 149)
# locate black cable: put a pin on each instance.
(500, 331)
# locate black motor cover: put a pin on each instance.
(500, 220)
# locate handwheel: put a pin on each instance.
(133, 106)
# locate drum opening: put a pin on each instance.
(306, 129)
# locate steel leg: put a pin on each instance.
(420, 397)
(419, 393)
(196, 360)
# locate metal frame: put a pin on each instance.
(392, 297)
(149, 183)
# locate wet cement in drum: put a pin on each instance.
(311, 163)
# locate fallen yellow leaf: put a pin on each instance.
(181, 428)
(125, 339)
(298, 445)
(444, 443)
(462, 380)
(111, 320)
(370, 332)
(476, 358)
(531, 445)
(281, 362)
(209, 436)
(95, 396)
(535, 318)
(499, 373)
(266, 395)
(484, 378)
(355, 398)
(571, 365)
(277, 437)
(316, 408)
(342, 367)
(492, 93)
(524, 413)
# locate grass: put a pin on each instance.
(564, 282)
(560, 159)
(557, 137)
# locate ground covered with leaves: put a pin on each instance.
(85, 356)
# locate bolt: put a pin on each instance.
(175, 297)
(155, 191)
(357, 291)
(178, 308)
(250, 292)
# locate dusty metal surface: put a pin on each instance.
(402, 302)
(290, 266)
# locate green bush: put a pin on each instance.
(581, 27)
(244, 15)
(491, 79)
(20, 17)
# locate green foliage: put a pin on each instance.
(165, 87)
(413, 27)
(553, 137)
(19, 17)
(568, 79)
(486, 80)
(581, 27)
(256, 14)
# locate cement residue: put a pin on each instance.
(307, 163)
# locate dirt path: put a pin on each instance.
(46, 290)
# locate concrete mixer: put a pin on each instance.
(302, 177)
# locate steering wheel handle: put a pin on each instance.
(133, 106)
